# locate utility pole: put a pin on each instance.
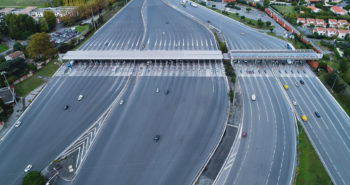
(92, 18)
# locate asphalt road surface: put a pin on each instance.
(267, 155)
(330, 134)
(47, 128)
(151, 25)
(189, 120)
(238, 36)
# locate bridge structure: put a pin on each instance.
(282, 55)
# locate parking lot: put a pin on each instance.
(64, 35)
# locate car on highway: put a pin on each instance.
(80, 97)
(167, 92)
(302, 82)
(194, 4)
(304, 118)
(297, 84)
(121, 102)
(66, 107)
(253, 97)
(294, 103)
(28, 167)
(285, 86)
(157, 90)
(156, 138)
(317, 114)
(18, 123)
(244, 134)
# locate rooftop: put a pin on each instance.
(6, 95)
(307, 54)
(337, 9)
(144, 55)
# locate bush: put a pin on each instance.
(34, 178)
(231, 95)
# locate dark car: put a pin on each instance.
(66, 107)
(317, 114)
(167, 92)
(244, 134)
(302, 82)
(156, 138)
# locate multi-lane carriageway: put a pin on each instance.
(329, 134)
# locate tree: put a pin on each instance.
(40, 46)
(57, 3)
(43, 25)
(18, 47)
(248, 9)
(50, 19)
(266, 3)
(271, 30)
(260, 23)
(242, 17)
(21, 26)
(268, 23)
(347, 52)
(33, 178)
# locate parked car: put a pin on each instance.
(18, 123)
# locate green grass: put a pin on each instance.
(82, 28)
(3, 47)
(28, 85)
(310, 170)
(285, 10)
(247, 21)
(23, 3)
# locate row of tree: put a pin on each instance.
(21, 26)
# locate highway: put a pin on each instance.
(330, 134)
(237, 35)
(190, 120)
(150, 25)
(268, 152)
(47, 128)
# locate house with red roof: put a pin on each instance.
(310, 21)
(321, 23)
(320, 31)
(338, 10)
(342, 33)
(331, 32)
(333, 23)
(343, 23)
(301, 20)
(314, 9)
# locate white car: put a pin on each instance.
(80, 97)
(194, 4)
(294, 103)
(121, 102)
(253, 97)
(157, 90)
(27, 169)
(18, 123)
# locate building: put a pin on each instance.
(310, 22)
(7, 95)
(321, 23)
(333, 23)
(6, 11)
(343, 23)
(314, 9)
(331, 32)
(58, 11)
(320, 31)
(15, 55)
(342, 33)
(301, 21)
(338, 10)
(312, 1)
(28, 10)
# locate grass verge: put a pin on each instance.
(310, 170)
(28, 85)
(3, 47)
(82, 28)
(23, 3)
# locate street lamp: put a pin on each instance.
(334, 81)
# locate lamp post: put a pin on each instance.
(334, 81)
